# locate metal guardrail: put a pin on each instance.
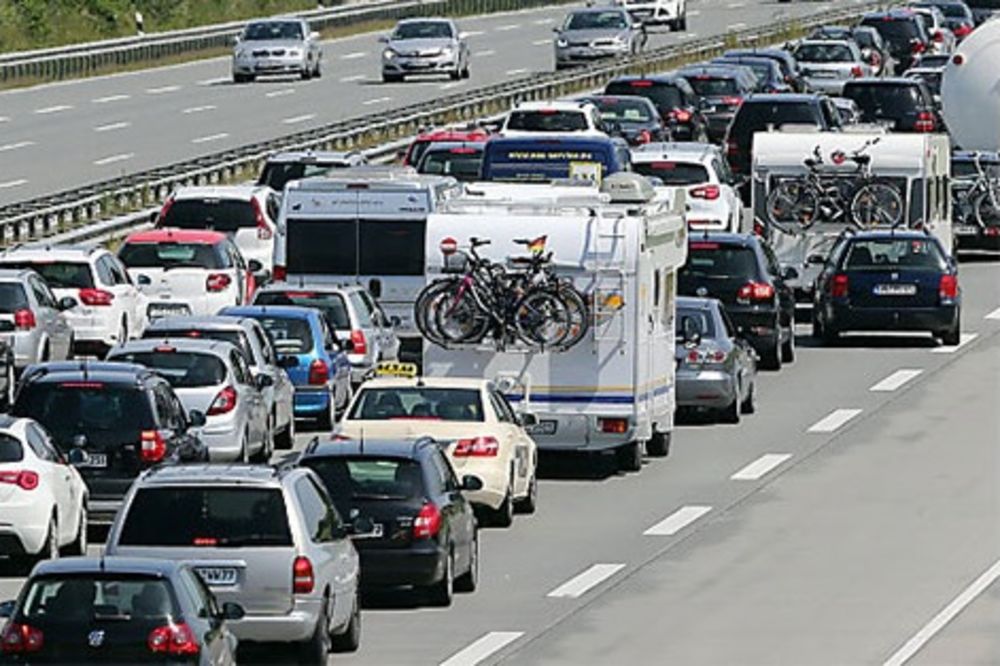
(59, 213)
(85, 59)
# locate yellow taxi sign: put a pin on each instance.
(396, 369)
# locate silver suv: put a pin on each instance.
(268, 539)
(276, 46)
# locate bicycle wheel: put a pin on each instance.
(792, 204)
(577, 312)
(986, 214)
(877, 204)
(458, 318)
(541, 318)
(425, 308)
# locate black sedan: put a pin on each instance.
(631, 117)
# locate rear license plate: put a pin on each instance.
(217, 576)
(94, 460)
(378, 530)
(966, 230)
(546, 427)
(895, 289)
(166, 310)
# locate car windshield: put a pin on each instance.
(77, 407)
(665, 96)
(422, 30)
(59, 274)
(439, 404)
(273, 30)
(289, 335)
(181, 369)
(883, 100)
(673, 173)
(12, 297)
(719, 260)
(226, 215)
(278, 174)
(169, 255)
(763, 70)
(824, 53)
(547, 120)
(894, 254)
(368, 478)
(330, 304)
(864, 39)
(698, 318)
(10, 449)
(611, 20)
(712, 86)
(624, 110)
(81, 599)
(464, 164)
(213, 517)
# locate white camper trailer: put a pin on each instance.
(969, 99)
(621, 244)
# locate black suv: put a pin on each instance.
(742, 271)
(721, 90)
(112, 420)
(904, 104)
(674, 98)
(904, 33)
(424, 530)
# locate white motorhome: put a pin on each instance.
(918, 165)
(969, 84)
(363, 225)
(622, 244)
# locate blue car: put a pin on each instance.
(888, 280)
(308, 350)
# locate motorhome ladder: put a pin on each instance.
(607, 257)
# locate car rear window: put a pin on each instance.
(211, 517)
(623, 109)
(170, 255)
(368, 478)
(673, 173)
(85, 598)
(720, 260)
(226, 215)
(83, 406)
(894, 254)
(756, 116)
(59, 274)
(712, 86)
(953, 10)
(663, 95)
(824, 53)
(331, 305)
(289, 335)
(463, 164)
(699, 318)
(352, 247)
(12, 297)
(883, 100)
(897, 32)
(181, 369)
(438, 404)
(236, 338)
(278, 174)
(547, 121)
(10, 449)
(983, 4)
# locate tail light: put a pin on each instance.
(838, 286)
(938, 36)
(925, 122)
(263, 231)
(613, 426)
(224, 402)
(427, 523)
(21, 638)
(758, 228)
(681, 115)
(153, 448)
(706, 357)
(96, 297)
(24, 320)
(643, 137)
(857, 72)
(948, 287)
(319, 372)
(359, 341)
(173, 639)
(917, 47)
(303, 580)
(217, 282)
(732, 101)
(280, 273)
(962, 30)
(754, 291)
(162, 217)
(477, 447)
(710, 192)
(26, 479)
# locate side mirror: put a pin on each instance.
(288, 362)
(816, 259)
(314, 36)
(375, 288)
(263, 381)
(67, 303)
(254, 266)
(556, 30)
(7, 608)
(232, 611)
(236, 40)
(790, 273)
(471, 482)
(144, 280)
(527, 420)
(196, 418)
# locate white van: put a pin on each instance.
(365, 226)
(621, 244)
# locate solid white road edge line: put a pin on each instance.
(947, 614)
(579, 585)
(677, 521)
(834, 420)
(993, 315)
(760, 467)
(15, 146)
(13, 183)
(482, 648)
(965, 339)
(895, 380)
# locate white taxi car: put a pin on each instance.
(484, 436)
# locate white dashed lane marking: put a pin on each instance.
(199, 109)
(12, 183)
(993, 315)
(164, 89)
(579, 585)
(280, 93)
(895, 380)
(677, 521)
(299, 119)
(965, 339)
(478, 651)
(110, 98)
(112, 127)
(53, 109)
(353, 56)
(210, 137)
(760, 467)
(114, 158)
(15, 146)
(834, 420)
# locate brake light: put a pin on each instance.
(24, 320)
(615, 426)
(709, 192)
(644, 137)
(26, 479)
(925, 122)
(153, 448)
(464, 150)
(703, 246)
(962, 30)
(427, 523)
(641, 84)
(21, 638)
(681, 115)
(758, 228)
(173, 639)
(224, 402)
(280, 273)
(732, 101)
(838, 286)
(477, 447)
(948, 287)
(217, 282)
(263, 231)
(857, 72)
(162, 217)
(754, 291)
(938, 36)
(359, 341)
(706, 357)
(82, 385)
(96, 297)
(319, 372)
(917, 47)
(303, 580)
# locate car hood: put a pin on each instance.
(420, 46)
(591, 35)
(261, 44)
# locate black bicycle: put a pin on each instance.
(977, 197)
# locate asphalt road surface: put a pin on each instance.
(59, 136)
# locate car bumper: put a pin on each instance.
(310, 402)
(402, 65)
(583, 54)
(222, 440)
(25, 347)
(423, 563)
(759, 326)
(93, 327)
(974, 237)
(20, 539)
(847, 318)
(298, 625)
(578, 432)
(705, 388)
(495, 478)
(270, 66)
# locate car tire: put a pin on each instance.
(731, 414)
(326, 420)
(658, 445)
(318, 70)
(50, 548)
(286, 438)
(465, 72)
(749, 405)
(306, 74)
(788, 347)
(442, 593)
(79, 545)
(391, 78)
(770, 358)
(503, 515)
(455, 75)
(683, 21)
(629, 457)
(469, 581)
(317, 649)
(952, 336)
(349, 640)
(529, 503)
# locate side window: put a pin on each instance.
(374, 309)
(118, 272)
(163, 407)
(38, 289)
(104, 275)
(237, 258)
(727, 323)
(445, 473)
(273, 206)
(265, 346)
(772, 261)
(179, 414)
(204, 602)
(224, 256)
(240, 371)
(40, 445)
(500, 409)
(656, 289)
(362, 311)
(317, 512)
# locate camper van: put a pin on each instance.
(364, 226)
(621, 243)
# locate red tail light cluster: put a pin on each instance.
(838, 286)
(24, 320)
(681, 115)
(938, 36)
(21, 639)
(613, 426)
(477, 447)
(948, 287)
(917, 47)
(303, 579)
(319, 372)
(707, 356)
(428, 522)
(732, 101)
(857, 72)
(173, 639)
(96, 297)
(962, 30)
(755, 291)
(223, 403)
(925, 122)
(280, 273)
(710, 192)
(25, 479)
(153, 448)
(359, 341)
(216, 282)
(643, 137)
(263, 231)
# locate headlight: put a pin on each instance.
(562, 43)
(618, 39)
(389, 54)
(294, 53)
(241, 53)
(447, 52)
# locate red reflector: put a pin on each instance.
(428, 522)
(302, 576)
(26, 479)
(614, 426)
(838, 286)
(641, 84)
(477, 447)
(448, 245)
(948, 287)
(206, 541)
(21, 638)
(96, 297)
(703, 246)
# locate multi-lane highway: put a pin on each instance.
(60, 136)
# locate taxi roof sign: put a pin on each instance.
(396, 369)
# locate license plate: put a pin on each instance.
(966, 230)
(218, 576)
(546, 427)
(378, 529)
(166, 310)
(895, 289)
(94, 460)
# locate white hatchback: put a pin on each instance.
(43, 499)
(529, 119)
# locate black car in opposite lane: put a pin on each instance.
(674, 98)
(742, 271)
(424, 530)
(888, 280)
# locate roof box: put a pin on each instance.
(625, 187)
